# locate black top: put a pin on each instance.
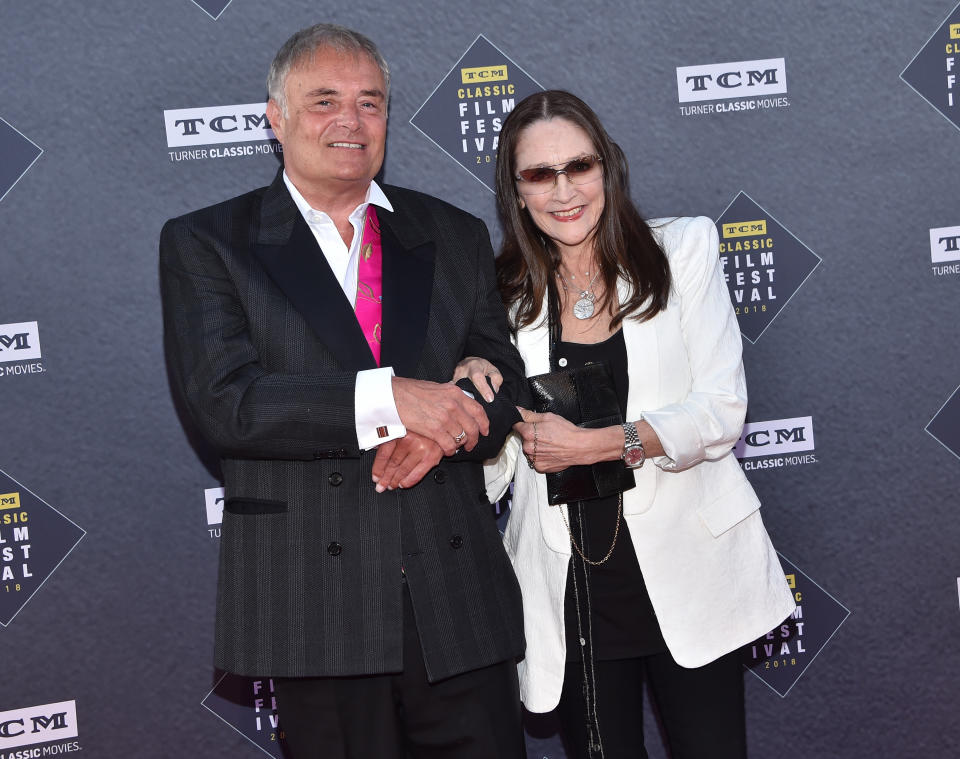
(622, 618)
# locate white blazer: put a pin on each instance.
(712, 574)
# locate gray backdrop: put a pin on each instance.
(857, 166)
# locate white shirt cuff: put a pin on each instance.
(375, 412)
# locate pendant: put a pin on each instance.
(583, 308)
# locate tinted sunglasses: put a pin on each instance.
(542, 179)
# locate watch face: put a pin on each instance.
(633, 456)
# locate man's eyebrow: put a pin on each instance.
(321, 91)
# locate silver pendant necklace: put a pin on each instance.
(584, 307)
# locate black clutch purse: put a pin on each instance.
(586, 397)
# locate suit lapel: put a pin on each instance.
(408, 268)
(288, 251)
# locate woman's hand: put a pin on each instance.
(478, 370)
(551, 443)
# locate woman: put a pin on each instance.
(664, 581)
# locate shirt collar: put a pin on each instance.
(374, 195)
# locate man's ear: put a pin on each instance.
(275, 117)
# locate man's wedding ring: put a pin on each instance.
(460, 438)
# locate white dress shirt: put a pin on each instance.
(373, 394)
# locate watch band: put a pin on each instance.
(633, 454)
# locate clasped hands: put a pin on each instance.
(440, 418)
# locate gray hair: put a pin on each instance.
(305, 43)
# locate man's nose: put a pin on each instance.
(349, 116)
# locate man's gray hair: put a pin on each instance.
(305, 43)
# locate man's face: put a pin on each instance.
(335, 129)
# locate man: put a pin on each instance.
(360, 565)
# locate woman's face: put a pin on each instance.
(568, 213)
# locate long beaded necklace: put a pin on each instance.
(585, 620)
(584, 307)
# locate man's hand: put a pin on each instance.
(440, 412)
(403, 462)
(478, 370)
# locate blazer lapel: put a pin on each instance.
(288, 251)
(533, 342)
(643, 360)
(408, 269)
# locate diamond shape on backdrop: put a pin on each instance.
(945, 425)
(34, 539)
(934, 72)
(764, 263)
(464, 113)
(247, 704)
(213, 8)
(17, 155)
(780, 657)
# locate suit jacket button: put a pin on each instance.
(334, 548)
(335, 479)
(439, 477)
(456, 541)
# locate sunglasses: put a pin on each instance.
(542, 179)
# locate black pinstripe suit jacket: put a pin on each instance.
(264, 348)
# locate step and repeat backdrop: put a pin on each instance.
(823, 138)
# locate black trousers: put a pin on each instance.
(701, 710)
(475, 715)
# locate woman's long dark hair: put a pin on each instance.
(623, 243)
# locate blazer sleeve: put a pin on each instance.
(708, 422)
(499, 471)
(240, 407)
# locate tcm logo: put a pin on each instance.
(19, 342)
(481, 74)
(775, 437)
(745, 228)
(188, 127)
(945, 244)
(214, 501)
(9, 501)
(955, 31)
(719, 81)
(38, 724)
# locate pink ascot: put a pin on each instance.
(369, 307)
